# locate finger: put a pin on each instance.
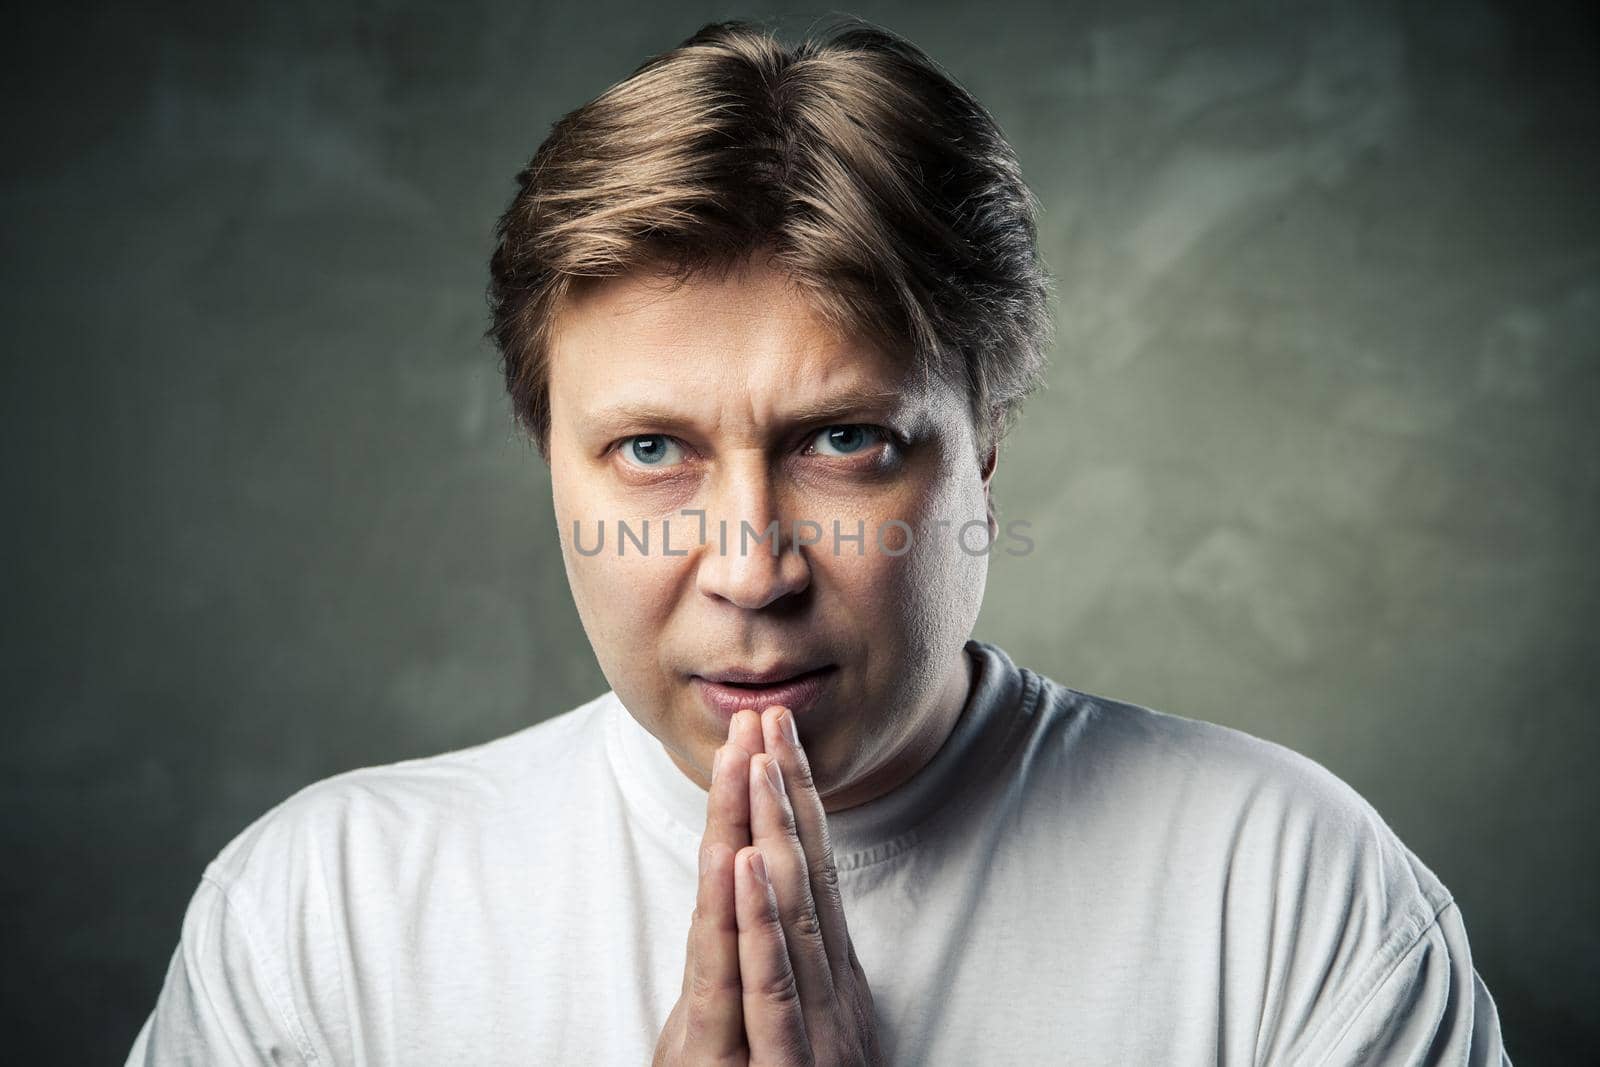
(728, 800)
(773, 1021)
(714, 1025)
(782, 740)
(772, 830)
(688, 948)
(744, 730)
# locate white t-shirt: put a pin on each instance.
(1071, 880)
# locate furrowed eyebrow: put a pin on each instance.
(843, 405)
(839, 406)
(620, 415)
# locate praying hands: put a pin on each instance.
(770, 977)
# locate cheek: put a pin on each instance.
(625, 605)
(620, 599)
(934, 589)
(910, 601)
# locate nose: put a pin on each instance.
(743, 525)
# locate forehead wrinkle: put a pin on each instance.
(819, 376)
(767, 356)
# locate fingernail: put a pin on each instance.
(702, 863)
(716, 764)
(758, 867)
(774, 776)
(731, 720)
(790, 730)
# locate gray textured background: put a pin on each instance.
(1316, 458)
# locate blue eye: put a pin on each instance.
(650, 449)
(848, 440)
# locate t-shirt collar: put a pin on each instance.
(661, 794)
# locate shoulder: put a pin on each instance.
(1287, 840)
(1231, 792)
(1268, 857)
(1110, 742)
(340, 878)
(379, 816)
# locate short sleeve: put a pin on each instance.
(221, 1001)
(1428, 1007)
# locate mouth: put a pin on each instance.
(729, 691)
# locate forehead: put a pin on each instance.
(749, 343)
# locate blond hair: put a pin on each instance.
(872, 178)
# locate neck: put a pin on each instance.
(928, 737)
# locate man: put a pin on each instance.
(767, 314)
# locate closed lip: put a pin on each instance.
(771, 676)
(799, 693)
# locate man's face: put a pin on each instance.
(758, 412)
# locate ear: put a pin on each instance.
(987, 472)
